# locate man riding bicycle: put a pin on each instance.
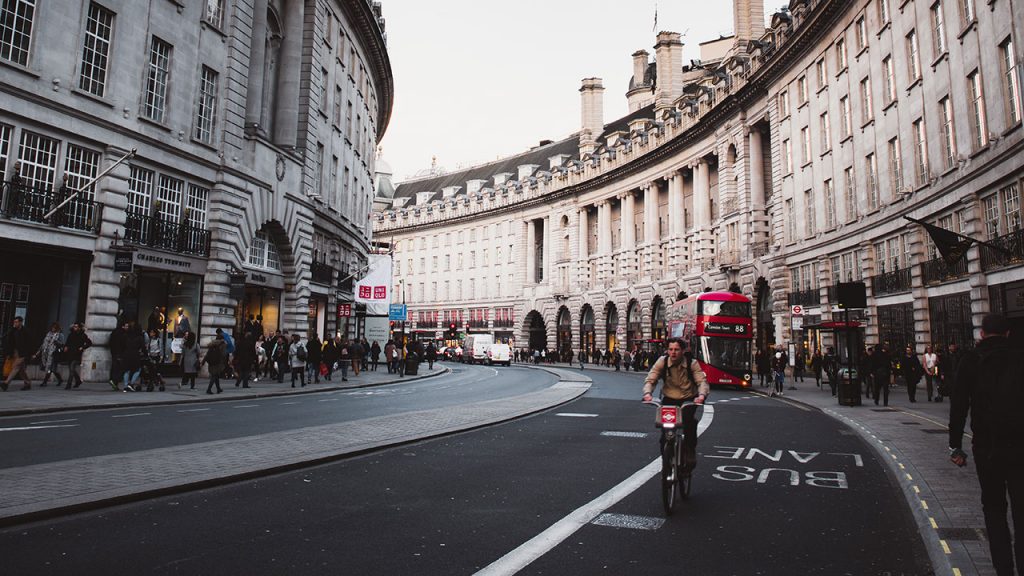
(684, 381)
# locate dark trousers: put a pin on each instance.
(912, 391)
(999, 478)
(881, 386)
(299, 371)
(928, 378)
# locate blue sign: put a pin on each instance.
(397, 312)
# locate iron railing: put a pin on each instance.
(891, 282)
(163, 234)
(937, 271)
(811, 297)
(32, 203)
(322, 273)
(1012, 252)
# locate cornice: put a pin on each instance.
(361, 15)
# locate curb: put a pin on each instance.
(78, 408)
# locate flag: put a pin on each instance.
(951, 245)
(374, 289)
(655, 27)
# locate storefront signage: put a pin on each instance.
(265, 279)
(169, 262)
(237, 286)
(344, 310)
(124, 261)
(724, 328)
(797, 310)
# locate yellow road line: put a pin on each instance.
(945, 547)
(932, 520)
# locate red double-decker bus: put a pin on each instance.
(719, 328)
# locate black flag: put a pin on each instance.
(951, 245)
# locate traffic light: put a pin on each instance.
(451, 331)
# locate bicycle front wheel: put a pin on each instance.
(669, 476)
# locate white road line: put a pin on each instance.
(544, 542)
(247, 406)
(36, 427)
(55, 421)
(289, 403)
(195, 410)
(329, 400)
(576, 415)
(131, 415)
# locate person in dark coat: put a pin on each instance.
(948, 364)
(245, 359)
(881, 373)
(17, 349)
(816, 366)
(764, 366)
(314, 355)
(911, 370)
(133, 348)
(375, 355)
(431, 355)
(989, 384)
(215, 359)
(115, 343)
(330, 355)
(74, 347)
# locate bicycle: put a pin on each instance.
(676, 477)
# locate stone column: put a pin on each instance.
(286, 123)
(628, 245)
(701, 208)
(676, 221)
(651, 231)
(531, 253)
(545, 238)
(604, 239)
(755, 158)
(257, 56)
(583, 231)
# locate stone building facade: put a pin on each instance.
(783, 161)
(254, 126)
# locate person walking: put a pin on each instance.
(881, 374)
(763, 364)
(931, 370)
(297, 357)
(133, 348)
(330, 355)
(280, 357)
(74, 347)
(989, 385)
(355, 353)
(50, 352)
(343, 358)
(389, 356)
(375, 355)
(799, 367)
(830, 364)
(911, 370)
(189, 361)
(779, 371)
(245, 358)
(314, 355)
(816, 366)
(17, 350)
(948, 365)
(431, 354)
(215, 360)
(115, 343)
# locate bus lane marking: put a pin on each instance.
(792, 473)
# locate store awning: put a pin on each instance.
(851, 325)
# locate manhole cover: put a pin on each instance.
(962, 533)
(629, 521)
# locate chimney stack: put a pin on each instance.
(668, 57)
(592, 113)
(748, 20)
(639, 67)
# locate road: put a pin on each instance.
(779, 489)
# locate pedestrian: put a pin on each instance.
(314, 355)
(989, 384)
(297, 357)
(799, 366)
(355, 353)
(762, 365)
(866, 369)
(881, 373)
(74, 347)
(115, 342)
(779, 362)
(911, 370)
(343, 358)
(816, 366)
(153, 348)
(280, 357)
(17, 351)
(931, 370)
(245, 357)
(830, 364)
(330, 355)
(133, 348)
(375, 355)
(948, 365)
(617, 359)
(431, 355)
(50, 352)
(189, 361)
(215, 359)
(389, 356)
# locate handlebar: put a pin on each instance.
(657, 403)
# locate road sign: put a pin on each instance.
(397, 312)
(797, 310)
(798, 322)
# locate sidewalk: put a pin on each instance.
(93, 395)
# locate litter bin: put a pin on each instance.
(412, 365)
(849, 387)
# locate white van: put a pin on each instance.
(475, 347)
(499, 354)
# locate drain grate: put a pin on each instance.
(615, 434)
(629, 521)
(962, 534)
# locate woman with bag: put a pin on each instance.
(189, 361)
(931, 370)
(50, 351)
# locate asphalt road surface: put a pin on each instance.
(779, 489)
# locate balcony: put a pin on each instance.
(810, 297)
(1012, 243)
(322, 273)
(891, 282)
(164, 234)
(31, 203)
(937, 271)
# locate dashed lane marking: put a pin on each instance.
(54, 421)
(195, 410)
(247, 406)
(16, 428)
(576, 415)
(131, 415)
(945, 547)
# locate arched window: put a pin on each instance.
(611, 326)
(564, 330)
(263, 252)
(634, 328)
(657, 319)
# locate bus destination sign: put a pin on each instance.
(724, 328)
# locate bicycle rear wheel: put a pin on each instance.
(669, 477)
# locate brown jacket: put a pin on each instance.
(678, 385)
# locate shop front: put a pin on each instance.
(1008, 299)
(262, 300)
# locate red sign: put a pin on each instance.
(797, 310)
(380, 292)
(344, 310)
(365, 291)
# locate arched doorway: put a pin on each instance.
(564, 331)
(611, 326)
(536, 330)
(658, 321)
(765, 321)
(634, 327)
(588, 340)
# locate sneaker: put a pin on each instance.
(128, 388)
(113, 385)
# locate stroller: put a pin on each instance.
(150, 377)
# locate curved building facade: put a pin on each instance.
(782, 162)
(254, 127)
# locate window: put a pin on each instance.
(337, 106)
(913, 57)
(787, 156)
(263, 252)
(96, 50)
(348, 122)
(155, 103)
(1011, 81)
(5, 148)
(845, 122)
(195, 212)
(206, 107)
(862, 34)
(938, 30)
(784, 103)
(213, 13)
(1001, 212)
(920, 152)
(820, 73)
(809, 212)
(16, 29)
(967, 14)
(140, 190)
(842, 59)
(80, 166)
(830, 205)
(871, 185)
(889, 80)
(866, 110)
(318, 169)
(791, 220)
(38, 157)
(169, 192)
(849, 194)
(895, 166)
(805, 144)
(826, 132)
(979, 123)
(948, 134)
(884, 14)
(801, 90)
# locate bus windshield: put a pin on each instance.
(717, 308)
(732, 354)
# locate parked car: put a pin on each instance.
(452, 353)
(499, 354)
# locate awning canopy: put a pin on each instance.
(851, 325)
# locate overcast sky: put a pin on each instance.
(479, 79)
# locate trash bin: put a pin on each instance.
(412, 365)
(849, 388)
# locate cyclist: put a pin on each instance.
(683, 381)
